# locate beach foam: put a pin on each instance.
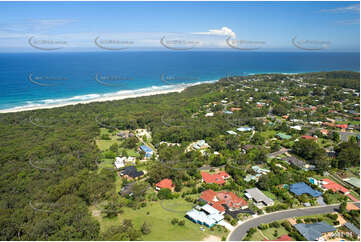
(89, 98)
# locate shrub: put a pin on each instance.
(308, 220)
(174, 221)
(275, 224)
(263, 226)
(165, 194)
(181, 222)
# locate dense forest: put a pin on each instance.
(48, 157)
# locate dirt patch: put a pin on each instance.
(292, 221)
(212, 238)
(96, 213)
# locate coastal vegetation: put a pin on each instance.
(54, 184)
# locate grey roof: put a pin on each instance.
(321, 201)
(258, 196)
(353, 181)
(353, 228)
(296, 162)
(314, 231)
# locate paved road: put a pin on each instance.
(240, 231)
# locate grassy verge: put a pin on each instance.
(160, 220)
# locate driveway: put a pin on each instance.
(241, 230)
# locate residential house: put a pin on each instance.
(302, 188)
(122, 161)
(165, 184)
(342, 126)
(258, 197)
(353, 181)
(130, 172)
(245, 129)
(119, 162)
(308, 137)
(296, 127)
(201, 144)
(250, 177)
(315, 123)
(219, 200)
(259, 170)
(327, 184)
(355, 231)
(218, 178)
(148, 151)
(299, 163)
(314, 231)
(125, 134)
(231, 132)
(283, 136)
(205, 215)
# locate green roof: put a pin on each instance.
(284, 136)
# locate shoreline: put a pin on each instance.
(108, 97)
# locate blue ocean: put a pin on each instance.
(43, 79)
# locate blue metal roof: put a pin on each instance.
(314, 231)
(301, 188)
(146, 149)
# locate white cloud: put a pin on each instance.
(34, 25)
(224, 31)
(349, 21)
(350, 8)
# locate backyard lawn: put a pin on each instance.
(268, 233)
(160, 220)
(257, 237)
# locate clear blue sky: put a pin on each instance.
(276, 23)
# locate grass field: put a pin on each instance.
(257, 237)
(268, 233)
(159, 218)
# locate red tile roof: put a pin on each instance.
(223, 174)
(165, 183)
(308, 137)
(217, 178)
(218, 206)
(324, 131)
(231, 199)
(223, 197)
(282, 238)
(208, 195)
(331, 185)
(342, 126)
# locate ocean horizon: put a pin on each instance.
(38, 80)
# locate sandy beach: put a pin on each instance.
(101, 99)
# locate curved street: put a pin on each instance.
(241, 230)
